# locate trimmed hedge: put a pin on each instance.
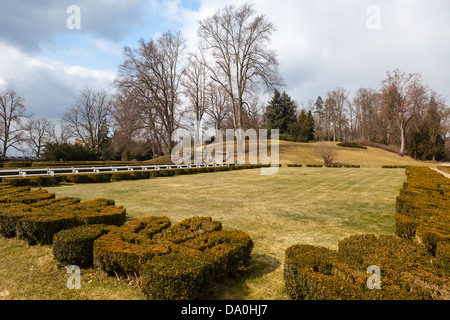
(36, 216)
(185, 274)
(445, 169)
(351, 145)
(43, 181)
(423, 208)
(175, 262)
(118, 176)
(407, 271)
(393, 167)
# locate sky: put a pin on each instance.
(321, 44)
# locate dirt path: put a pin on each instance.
(445, 174)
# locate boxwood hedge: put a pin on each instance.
(175, 262)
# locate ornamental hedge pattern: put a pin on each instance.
(414, 264)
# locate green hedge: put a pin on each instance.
(43, 181)
(75, 246)
(36, 215)
(175, 262)
(117, 176)
(185, 274)
(423, 208)
(351, 145)
(407, 271)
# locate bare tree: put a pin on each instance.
(195, 86)
(336, 104)
(403, 95)
(37, 133)
(237, 42)
(88, 118)
(154, 72)
(326, 152)
(12, 111)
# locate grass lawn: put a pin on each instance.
(317, 206)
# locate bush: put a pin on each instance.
(407, 271)
(178, 262)
(9, 215)
(229, 250)
(35, 216)
(295, 165)
(75, 246)
(33, 181)
(287, 137)
(351, 145)
(17, 165)
(423, 208)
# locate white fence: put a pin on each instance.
(37, 172)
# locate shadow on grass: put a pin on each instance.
(236, 288)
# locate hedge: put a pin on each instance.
(351, 145)
(445, 169)
(407, 271)
(36, 216)
(42, 181)
(75, 246)
(175, 262)
(423, 208)
(186, 274)
(118, 176)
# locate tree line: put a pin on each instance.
(162, 86)
(404, 115)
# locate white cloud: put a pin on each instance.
(48, 86)
(323, 44)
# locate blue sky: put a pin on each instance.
(321, 44)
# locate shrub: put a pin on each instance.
(77, 178)
(423, 208)
(40, 228)
(178, 262)
(287, 137)
(295, 165)
(189, 229)
(9, 215)
(27, 197)
(75, 246)
(407, 270)
(183, 275)
(16, 165)
(229, 250)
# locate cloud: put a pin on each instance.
(323, 44)
(30, 24)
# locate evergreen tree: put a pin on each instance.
(305, 127)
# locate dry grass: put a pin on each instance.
(317, 206)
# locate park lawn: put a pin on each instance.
(317, 206)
